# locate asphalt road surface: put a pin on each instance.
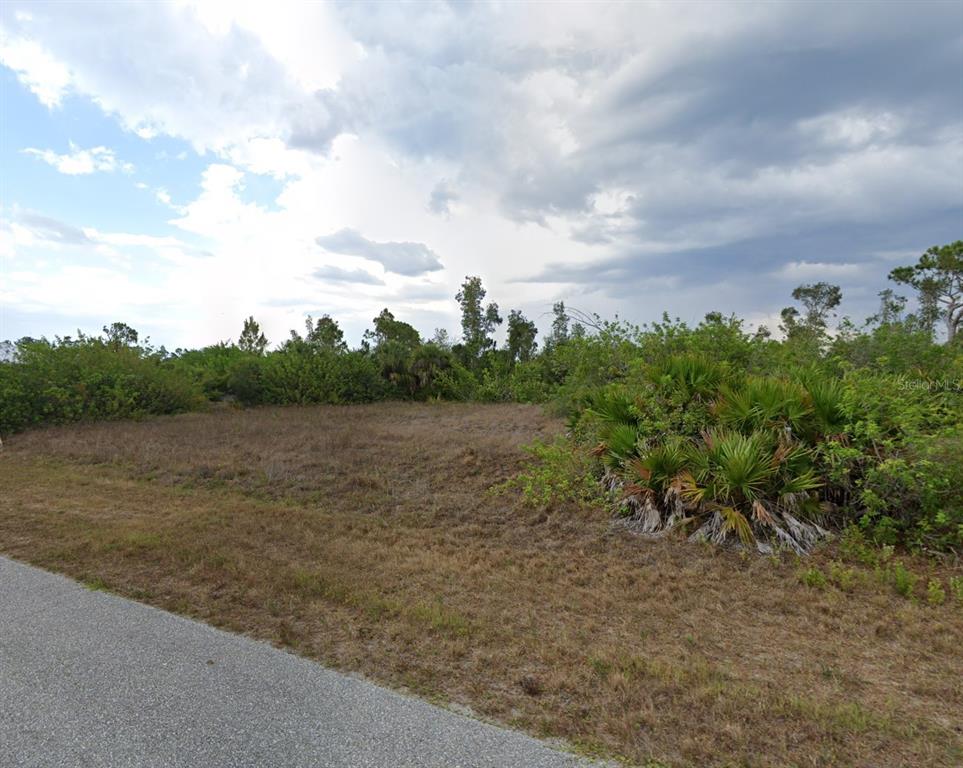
(91, 679)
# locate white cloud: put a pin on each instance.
(28, 231)
(47, 78)
(817, 270)
(852, 128)
(67, 290)
(219, 213)
(156, 68)
(81, 161)
(307, 38)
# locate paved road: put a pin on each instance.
(92, 679)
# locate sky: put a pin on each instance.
(180, 166)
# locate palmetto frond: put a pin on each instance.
(738, 460)
(826, 395)
(611, 407)
(693, 375)
(621, 444)
(661, 463)
(764, 403)
(761, 514)
(734, 520)
(738, 485)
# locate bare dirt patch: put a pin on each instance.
(366, 537)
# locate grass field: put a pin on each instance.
(366, 537)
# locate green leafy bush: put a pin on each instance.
(814, 577)
(935, 594)
(777, 460)
(213, 368)
(902, 579)
(956, 586)
(304, 376)
(558, 473)
(87, 378)
(701, 448)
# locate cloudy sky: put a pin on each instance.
(180, 166)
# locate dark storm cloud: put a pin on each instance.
(402, 258)
(741, 114)
(733, 276)
(763, 257)
(798, 121)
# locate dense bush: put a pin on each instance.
(909, 437)
(318, 376)
(723, 454)
(699, 447)
(212, 368)
(89, 378)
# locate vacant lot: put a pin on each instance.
(366, 537)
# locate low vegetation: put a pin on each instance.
(710, 449)
(464, 570)
(711, 431)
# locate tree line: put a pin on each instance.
(870, 413)
(118, 374)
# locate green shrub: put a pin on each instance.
(557, 473)
(902, 579)
(724, 458)
(494, 386)
(86, 379)
(213, 368)
(15, 402)
(455, 383)
(815, 578)
(854, 546)
(725, 435)
(915, 494)
(956, 586)
(304, 376)
(433, 369)
(245, 380)
(690, 375)
(844, 578)
(527, 383)
(770, 459)
(935, 594)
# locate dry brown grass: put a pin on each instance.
(365, 537)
